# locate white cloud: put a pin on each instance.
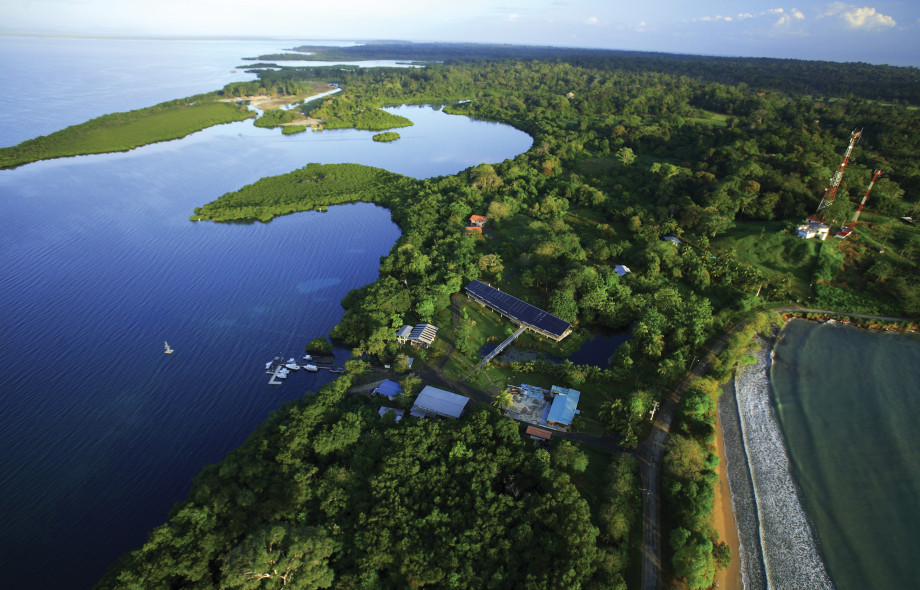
(860, 18)
(513, 16)
(707, 19)
(785, 18)
(593, 20)
(745, 15)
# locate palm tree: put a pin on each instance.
(502, 400)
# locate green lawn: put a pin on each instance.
(775, 251)
(712, 119)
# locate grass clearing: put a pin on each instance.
(775, 251)
(712, 119)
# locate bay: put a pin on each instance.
(100, 431)
(848, 402)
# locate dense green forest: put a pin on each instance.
(727, 155)
(818, 78)
(327, 492)
(621, 159)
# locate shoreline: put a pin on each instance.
(778, 547)
(723, 518)
(737, 479)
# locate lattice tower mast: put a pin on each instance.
(831, 191)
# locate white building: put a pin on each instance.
(812, 229)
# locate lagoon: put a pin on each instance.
(101, 432)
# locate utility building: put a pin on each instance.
(522, 313)
(438, 402)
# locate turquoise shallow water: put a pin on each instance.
(848, 403)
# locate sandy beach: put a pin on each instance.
(776, 543)
(723, 519)
(267, 102)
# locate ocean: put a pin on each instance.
(848, 403)
(822, 469)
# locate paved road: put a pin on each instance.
(650, 452)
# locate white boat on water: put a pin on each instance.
(292, 364)
(311, 368)
(307, 357)
(281, 373)
(168, 349)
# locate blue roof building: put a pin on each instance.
(388, 388)
(565, 406)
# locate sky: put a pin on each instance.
(880, 32)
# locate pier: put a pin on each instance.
(274, 380)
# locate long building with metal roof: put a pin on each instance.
(520, 312)
(438, 402)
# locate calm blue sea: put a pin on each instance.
(100, 432)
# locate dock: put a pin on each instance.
(274, 380)
(278, 366)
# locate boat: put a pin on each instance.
(311, 368)
(168, 349)
(271, 365)
(307, 357)
(292, 365)
(281, 373)
(337, 370)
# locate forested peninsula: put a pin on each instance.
(120, 132)
(659, 201)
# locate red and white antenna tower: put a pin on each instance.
(848, 229)
(831, 191)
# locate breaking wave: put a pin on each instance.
(791, 558)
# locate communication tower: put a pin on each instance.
(814, 225)
(846, 230)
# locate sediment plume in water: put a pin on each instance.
(778, 547)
